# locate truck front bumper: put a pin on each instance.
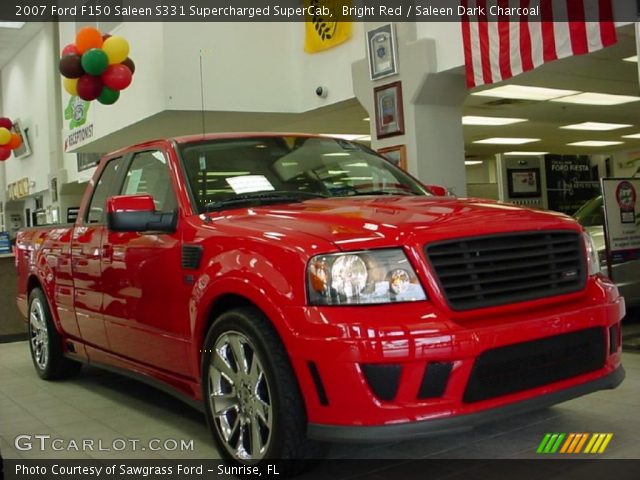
(386, 373)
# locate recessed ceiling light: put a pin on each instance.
(598, 126)
(491, 121)
(522, 92)
(635, 135)
(473, 162)
(14, 25)
(631, 59)
(507, 141)
(599, 99)
(525, 154)
(594, 143)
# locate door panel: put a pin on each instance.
(86, 253)
(145, 302)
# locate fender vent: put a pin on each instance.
(191, 256)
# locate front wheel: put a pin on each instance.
(252, 400)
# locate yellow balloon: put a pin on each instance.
(71, 86)
(116, 48)
(5, 136)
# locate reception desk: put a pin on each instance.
(12, 327)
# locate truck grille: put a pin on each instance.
(526, 365)
(500, 269)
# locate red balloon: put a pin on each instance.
(117, 77)
(6, 123)
(70, 49)
(5, 153)
(89, 87)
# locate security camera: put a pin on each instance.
(322, 92)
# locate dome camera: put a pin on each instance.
(322, 92)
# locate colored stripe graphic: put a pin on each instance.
(573, 443)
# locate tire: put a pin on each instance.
(45, 342)
(248, 380)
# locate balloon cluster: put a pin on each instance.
(96, 66)
(8, 140)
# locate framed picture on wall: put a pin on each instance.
(396, 155)
(523, 182)
(381, 49)
(388, 109)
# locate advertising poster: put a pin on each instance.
(569, 182)
(622, 215)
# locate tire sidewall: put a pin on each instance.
(236, 321)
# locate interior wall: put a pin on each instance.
(25, 83)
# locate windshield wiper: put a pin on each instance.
(261, 198)
(383, 192)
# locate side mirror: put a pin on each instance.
(137, 213)
(438, 190)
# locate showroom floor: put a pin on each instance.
(105, 406)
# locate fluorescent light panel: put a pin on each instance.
(598, 99)
(594, 143)
(507, 141)
(525, 154)
(13, 25)
(631, 59)
(596, 126)
(522, 92)
(490, 121)
(473, 162)
(635, 135)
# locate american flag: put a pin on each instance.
(498, 47)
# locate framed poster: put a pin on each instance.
(396, 155)
(523, 182)
(381, 49)
(388, 109)
(621, 198)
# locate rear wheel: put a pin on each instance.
(253, 404)
(45, 342)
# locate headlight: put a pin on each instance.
(593, 262)
(377, 276)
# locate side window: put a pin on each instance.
(149, 174)
(98, 206)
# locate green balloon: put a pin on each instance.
(108, 96)
(95, 61)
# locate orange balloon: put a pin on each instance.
(15, 142)
(88, 38)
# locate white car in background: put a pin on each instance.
(625, 275)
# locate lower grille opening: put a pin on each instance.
(526, 365)
(434, 381)
(317, 382)
(614, 338)
(383, 380)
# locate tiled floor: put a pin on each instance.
(99, 405)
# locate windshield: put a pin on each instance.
(284, 169)
(591, 214)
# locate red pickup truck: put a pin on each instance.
(301, 290)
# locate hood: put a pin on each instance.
(385, 221)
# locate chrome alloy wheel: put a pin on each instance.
(39, 334)
(240, 398)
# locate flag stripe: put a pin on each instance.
(498, 48)
(483, 31)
